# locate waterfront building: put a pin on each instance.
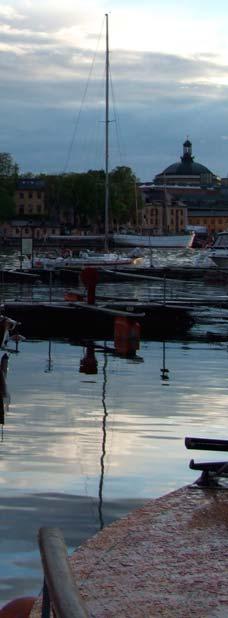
(25, 228)
(193, 189)
(30, 197)
(187, 172)
(163, 213)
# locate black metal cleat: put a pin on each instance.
(211, 471)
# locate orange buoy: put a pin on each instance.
(18, 608)
(126, 335)
(90, 277)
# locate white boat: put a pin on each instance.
(218, 253)
(84, 259)
(140, 240)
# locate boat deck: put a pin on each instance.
(168, 558)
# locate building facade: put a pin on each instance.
(30, 198)
(163, 213)
(197, 197)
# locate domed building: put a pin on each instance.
(187, 172)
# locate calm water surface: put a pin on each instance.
(79, 450)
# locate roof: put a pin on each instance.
(31, 184)
(187, 165)
(185, 168)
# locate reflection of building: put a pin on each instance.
(30, 197)
(194, 196)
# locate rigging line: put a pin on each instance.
(82, 102)
(96, 153)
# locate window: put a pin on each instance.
(38, 195)
(21, 210)
(30, 194)
(21, 194)
(38, 208)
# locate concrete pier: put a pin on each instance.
(168, 558)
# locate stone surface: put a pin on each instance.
(168, 558)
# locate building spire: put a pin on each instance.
(187, 151)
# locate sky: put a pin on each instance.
(168, 81)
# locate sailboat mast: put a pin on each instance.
(107, 137)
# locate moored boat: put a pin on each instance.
(68, 260)
(163, 240)
(218, 253)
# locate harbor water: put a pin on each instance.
(79, 450)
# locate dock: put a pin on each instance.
(168, 558)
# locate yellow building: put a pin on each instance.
(30, 198)
(163, 213)
(214, 220)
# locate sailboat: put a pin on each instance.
(86, 257)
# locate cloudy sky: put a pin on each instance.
(169, 80)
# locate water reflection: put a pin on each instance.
(104, 436)
(4, 393)
(164, 370)
(49, 362)
(88, 365)
(79, 452)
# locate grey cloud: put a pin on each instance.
(160, 98)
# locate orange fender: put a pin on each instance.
(18, 608)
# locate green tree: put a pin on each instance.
(124, 196)
(8, 180)
(7, 205)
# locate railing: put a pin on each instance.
(60, 592)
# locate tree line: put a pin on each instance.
(82, 194)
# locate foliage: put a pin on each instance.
(8, 168)
(7, 205)
(8, 179)
(84, 195)
(79, 197)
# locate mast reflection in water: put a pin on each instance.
(104, 436)
(4, 394)
(88, 365)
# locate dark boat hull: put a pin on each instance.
(79, 320)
